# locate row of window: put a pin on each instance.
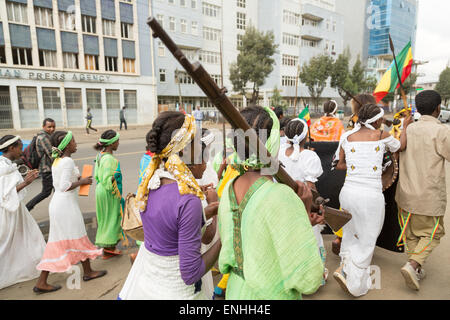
(183, 78)
(208, 9)
(47, 58)
(17, 12)
(27, 97)
(183, 24)
(184, 3)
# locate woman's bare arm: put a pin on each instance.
(342, 165)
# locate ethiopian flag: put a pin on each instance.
(305, 115)
(389, 82)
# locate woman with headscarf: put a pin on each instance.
(169, 265)
(68, 242)
(21, 240)
(268, 244)
(328, 127)
(108, 195)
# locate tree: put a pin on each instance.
(369, 84)
(277, 99)
(443, 86)
(340, 77)
(315, 75)
(254, 62)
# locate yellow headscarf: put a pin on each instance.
(174, 165)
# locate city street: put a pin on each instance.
(435, 285)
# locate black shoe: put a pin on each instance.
(40, 291)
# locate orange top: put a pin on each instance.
(327, 129)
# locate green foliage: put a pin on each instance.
(315, 75)
(277, 99)
(254, 62)
(443, 86)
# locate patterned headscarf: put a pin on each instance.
(174, 165)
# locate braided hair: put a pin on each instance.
(7, 138)
(360, 100)
(259, 120)
(108, 134)
(162, 129)
(294, 128)
(367, 112)
(56, 139)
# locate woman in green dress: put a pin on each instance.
(268, 244)
(108, 194)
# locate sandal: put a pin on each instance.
(40, 291)
(101, 274)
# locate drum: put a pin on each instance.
(390, 170)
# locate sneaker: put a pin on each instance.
(412, 276)
(339, 275)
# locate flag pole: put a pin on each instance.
(402, 90)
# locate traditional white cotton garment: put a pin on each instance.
(209, 176)
(304, 166)
(21, 241)
(155, 277)
(362, 196)
(68, 242)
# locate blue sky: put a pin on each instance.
(433, 38)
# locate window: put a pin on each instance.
(43, 17)
(183, 3)
(183, 78)
(241, 3)
(67, 21)
(22, 56)
(111, 64)
(17, 12)
(290, 39)
(194, 28)
(328, 24)
(211, 34)
(73, 98)
(309, 43)
(128, 65)
(112, 99)
(162, 75)
(130, 99)
(27, 97)
(91, 62)
(88, 24)
(334, 26)
(94, 98)
(109, 28)
(51, 98)
(333, 47)
(209, 57)
(171, 23)
(70, 60)
(161, 49)
(217, 79)
(239, 40)
(309, 22)
(127, 30)
(210, 10)
(194, 4)
(47, 58)
(289, 60)
(183, 23)
(291, 17)
(240, 20)
(2, 54)
(190, 54)
(160, 19)
(288, 81)
(172, 1)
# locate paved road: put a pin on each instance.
(435, 286)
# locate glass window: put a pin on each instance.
(2, 54)
(210, 10)
(171, 23)
(113, 105)
(183, 23)
(241, 3)
(127, 30)
(91, 62)
(211, 34)
(183, 3)
(67, 21)
(17, 12)
(128, 65)
(111, 64)
(28, 105)
(162, 75)
(94, 98)
(47, 58)
(88, 24)
(52, 104)
(22, 56)
(74, 107)
(239, 40)
(161, 49)
(240, 20)
(130, 99)
(160, 19)
(43, 17)
(70, 60)
(194, 28)
(194, 4)
(109, 28)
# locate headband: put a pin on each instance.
(299, 138)
(108, 142)
(335, 109)
(9, 142)
(57, 152)
(372, 120)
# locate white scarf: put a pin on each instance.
(296, 140)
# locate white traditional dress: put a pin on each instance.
(304, 166)
(68, 242)
(362, 196)
(21, 240)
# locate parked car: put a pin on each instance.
(445, 114)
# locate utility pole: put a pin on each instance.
(296, 88)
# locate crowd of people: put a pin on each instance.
(199, 212)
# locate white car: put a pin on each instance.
(445, 114)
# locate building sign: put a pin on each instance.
(52, 76)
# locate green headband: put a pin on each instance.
(108, 142)
(56, 152)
